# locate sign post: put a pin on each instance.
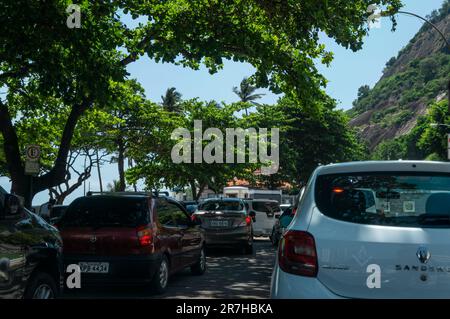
(33, 153)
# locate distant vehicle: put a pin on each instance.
(226, 223)
(30, 253)
(56, 213)
(265, 214)
(191, 206)
(369, 230)
(249, 193)
(131, 238)
(280, 225)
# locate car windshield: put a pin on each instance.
(100, 212)
(392, 199)
(222, 205)
(266, 207)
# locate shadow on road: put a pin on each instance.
(229, 275)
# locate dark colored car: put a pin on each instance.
(191, 206)
(133, 238)
(280, 225)
(56, 213)
(226, 223)
(30, 253)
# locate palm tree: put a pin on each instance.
(114, 186)
(247, 92)
(171, 101)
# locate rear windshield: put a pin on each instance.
(266, 207)
(100, 212)
(391, 199)
(221, 205)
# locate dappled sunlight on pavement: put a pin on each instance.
(229, 275)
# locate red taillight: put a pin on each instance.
(248, 220)
(194, 217)
(145, 236)
(294, 211)
(297, 254)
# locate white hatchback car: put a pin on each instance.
(369, 230)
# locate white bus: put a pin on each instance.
(249, 193)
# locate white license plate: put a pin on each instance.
(219, 223)
(94, 267)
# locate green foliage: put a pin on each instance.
(54, 75)
(423, 142)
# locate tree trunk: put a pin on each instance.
(99, 173)
(24, 185)
(121, 165)
(23, 188)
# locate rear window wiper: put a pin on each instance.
(439, 219)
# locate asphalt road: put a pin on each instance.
(229, 275)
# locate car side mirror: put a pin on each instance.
(252, 214)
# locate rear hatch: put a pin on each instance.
(383, 235)
(267, 212)
(216, 215)
(104, 226)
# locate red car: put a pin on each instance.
(131, 238)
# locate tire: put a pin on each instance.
(161, 278)
(248, 249)
(41, 286)
(199, 267)
(274, 239)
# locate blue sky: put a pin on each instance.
(348, 71)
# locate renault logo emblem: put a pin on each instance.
(93, 239)
(423, 254)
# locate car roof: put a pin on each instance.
(224, 199)
(107, 196)
(251, 200)
(385, 166)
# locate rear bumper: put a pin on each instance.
(227, 237)
(262, 232)
(288, 286)
(134, 270)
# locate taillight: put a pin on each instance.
(194, 217)
(294, 211)
(248, 220)
(297, 254)
(145, 236)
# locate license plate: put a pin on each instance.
(94, 267)
(219, 223)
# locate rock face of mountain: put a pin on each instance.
(418, 76)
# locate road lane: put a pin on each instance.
(229, 275)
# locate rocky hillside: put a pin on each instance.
(411, 81)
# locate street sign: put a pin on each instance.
(33, 153)
(32, 167)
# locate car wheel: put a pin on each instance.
(161, 277)
(41, 286)
(199, 267)
(248, 249)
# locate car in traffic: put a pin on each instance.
(265, 212)
(226, 223)
(30, 253)
(191, 206)
(340, 246)
(280, 225)
(131, 238)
